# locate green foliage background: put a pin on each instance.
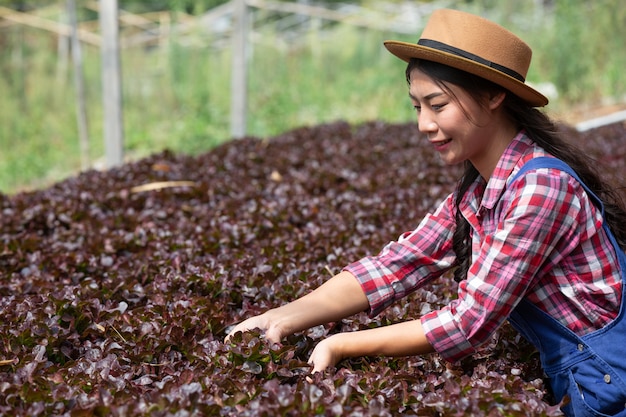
(176, 96)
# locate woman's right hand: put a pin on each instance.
(339, 297)
(262, 322)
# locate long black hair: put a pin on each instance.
(539, 128)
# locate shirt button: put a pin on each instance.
(580, 347)
(397, 286)
(607, 378)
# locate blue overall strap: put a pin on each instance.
(589, 369)
(550, 162)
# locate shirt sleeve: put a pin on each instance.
(408, 263)
(538, 224)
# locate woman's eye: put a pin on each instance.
(437, 106)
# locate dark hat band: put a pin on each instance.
(440, 46)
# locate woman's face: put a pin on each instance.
(458, 126)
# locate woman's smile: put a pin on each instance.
(440, 145)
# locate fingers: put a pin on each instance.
(271, 333)
(317, 364)
(324, 356)
(229, 336)
(243, 327)
(315, 369)
(231, 333)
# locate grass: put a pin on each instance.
(177, 96)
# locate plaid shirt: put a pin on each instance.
(539, 237)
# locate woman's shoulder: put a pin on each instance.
(541, 177)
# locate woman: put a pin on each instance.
(530, 242)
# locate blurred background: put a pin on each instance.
(305, 63)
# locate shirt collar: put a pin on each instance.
(520, 145)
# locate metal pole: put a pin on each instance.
(111, 83)
(239, 85)
(79, 85)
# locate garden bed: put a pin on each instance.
(117, 288)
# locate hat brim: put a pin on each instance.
(406, 51)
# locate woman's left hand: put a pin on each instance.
(326, 354)
(400, 339)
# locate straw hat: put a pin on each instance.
(475, 45)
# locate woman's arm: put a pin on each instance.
(402, 339)
(339, 297)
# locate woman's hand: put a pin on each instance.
(326, 353)
(339, 297)
(263, 322)
(400, 339)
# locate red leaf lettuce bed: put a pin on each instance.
(115, 300)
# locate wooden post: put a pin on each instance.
(239, 84)
(79, 86)
(111, 83)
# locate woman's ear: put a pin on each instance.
(496, 99)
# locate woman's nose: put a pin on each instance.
(425, 122)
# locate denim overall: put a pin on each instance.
(590, 369)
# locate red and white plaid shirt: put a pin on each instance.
(540, 237)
